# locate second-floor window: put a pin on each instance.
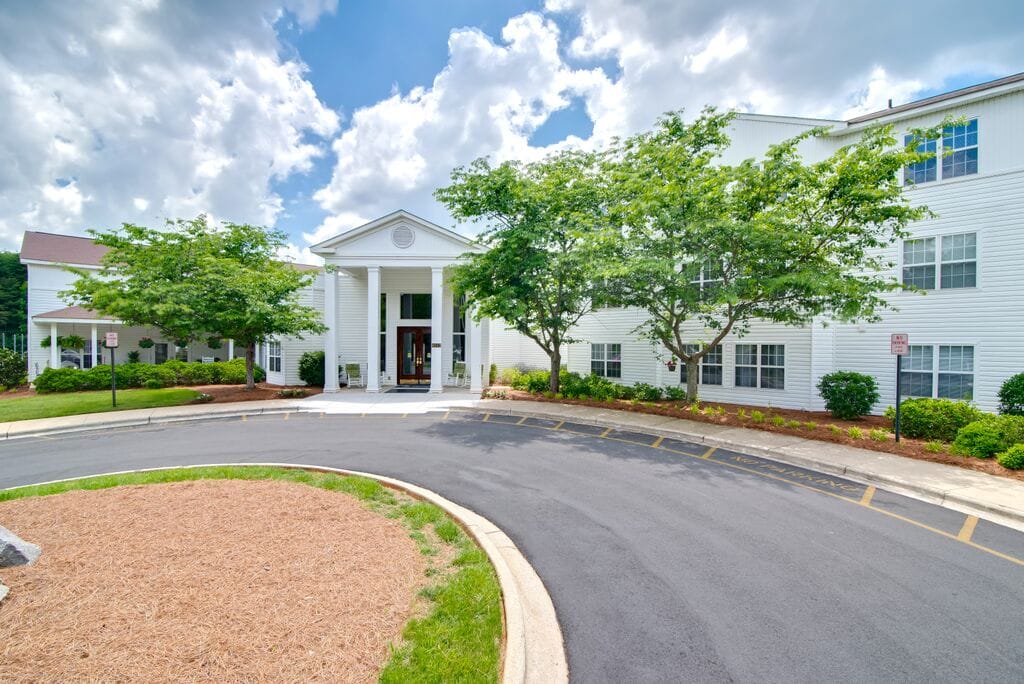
(960, 150)
(955, 262)
(922, 171)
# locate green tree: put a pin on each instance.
(193, 280)
(537, 273)
(706, 248)
(13, 293)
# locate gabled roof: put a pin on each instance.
(74, 313)
(349, 235)
(79, 251)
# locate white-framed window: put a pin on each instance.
(274, 356)
(922, 171)
(459, 330)
(960, 150)
(709, 278)
(711, 365)
(955, 263)
(761, 365)
(944, 371)
(606, 360)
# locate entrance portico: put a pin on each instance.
(390, 315)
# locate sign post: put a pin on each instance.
(899, 344)
(110, 342)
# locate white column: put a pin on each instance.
(231, 349)
(95, 350)
(373, 328)
(436, 329)
(331, 336)
(475, 355)
(54, 349)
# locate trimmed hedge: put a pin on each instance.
(934, 418)
(12, 368)
(989, 436)
(1011, 396)
(146, 375)
(311, 368)
(848, 395)
(1012, 458)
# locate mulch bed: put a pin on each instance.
(262, 391)
(215, 580)
(911, 448)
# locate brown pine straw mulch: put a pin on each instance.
(911, 448)
(215, 580)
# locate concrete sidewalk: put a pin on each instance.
(995, 498)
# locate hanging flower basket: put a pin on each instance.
(45, 342)
(72, 342)
(180, 344)
(213, 342)
(146, 342)
(671, 364)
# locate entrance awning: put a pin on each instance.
(73, 314)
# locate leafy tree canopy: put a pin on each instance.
(13, 293)
(706, 248)
(538, 271)
(193, 280)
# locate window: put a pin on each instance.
(761, 366)
(709, 278)
(957, 264)
(382, 343)
(922, 171)
(459, 330)
(274, 356)
(960, 150)
(415, 306)
(160, 352)
(606, 360)
(951, 378)
(710, 365)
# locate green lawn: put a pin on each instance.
(459, 637)
(73, 403)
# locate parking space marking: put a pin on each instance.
(707, 454)
(869, 494)
(521, 420)
(605, 433)
(657, 442)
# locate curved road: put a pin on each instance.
(662, 566)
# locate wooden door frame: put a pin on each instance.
(419, 378)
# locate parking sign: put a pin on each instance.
(899, 344)
(111, 340)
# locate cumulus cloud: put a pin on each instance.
(151, 109)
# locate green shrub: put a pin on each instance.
(835, 430)
(292, 393)
(934, 418)
(810, 425)
(855, 433)
(878, 435)
(152, 383)
(12, 368)
(1012, 458)
(61, 380)
(981, 439)
(778, 421)
(935, 447)
(591, 386)
(509, 376)
(644, 392)
(1011, 396)
(492, 374)
(675, 393)
(311, 368)
(794, 424)
(535, 381)
(848, 395)
(757, 416)
(133, 356)
(130, 375)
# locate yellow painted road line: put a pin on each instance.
(967, 531)
(445, 416)
(560, 424)
(869, 493)
(657, 442)
(606, 432)
(405, 415)
(707, 454)
(521, 420)
(286, 416)
(244, 417)
(487, 417)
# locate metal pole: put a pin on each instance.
(899, 368)
(113, 379)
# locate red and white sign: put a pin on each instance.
(111, 340)
(899, 344)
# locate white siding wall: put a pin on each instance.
(510, 348)
(292, 348)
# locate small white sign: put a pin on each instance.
(899, 344)
(111, 340)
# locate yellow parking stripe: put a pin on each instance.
(869, 493)
(521, 420)
(707, 454)
(244, 417)
(606, 432)
(967, 531)
(657, 442)
(487, 417)
(560, 424)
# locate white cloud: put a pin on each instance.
(154, 109)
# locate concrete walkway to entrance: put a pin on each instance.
(359, 401)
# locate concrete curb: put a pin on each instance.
(87, 422)
(534, 647)
(945, 496)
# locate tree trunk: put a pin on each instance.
(556, 366)
(250, 364)
(692, 376)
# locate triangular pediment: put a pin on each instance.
(397, 235)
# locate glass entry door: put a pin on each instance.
(413, 355)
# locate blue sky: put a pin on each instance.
(315, 115)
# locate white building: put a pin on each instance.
(389, 310)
